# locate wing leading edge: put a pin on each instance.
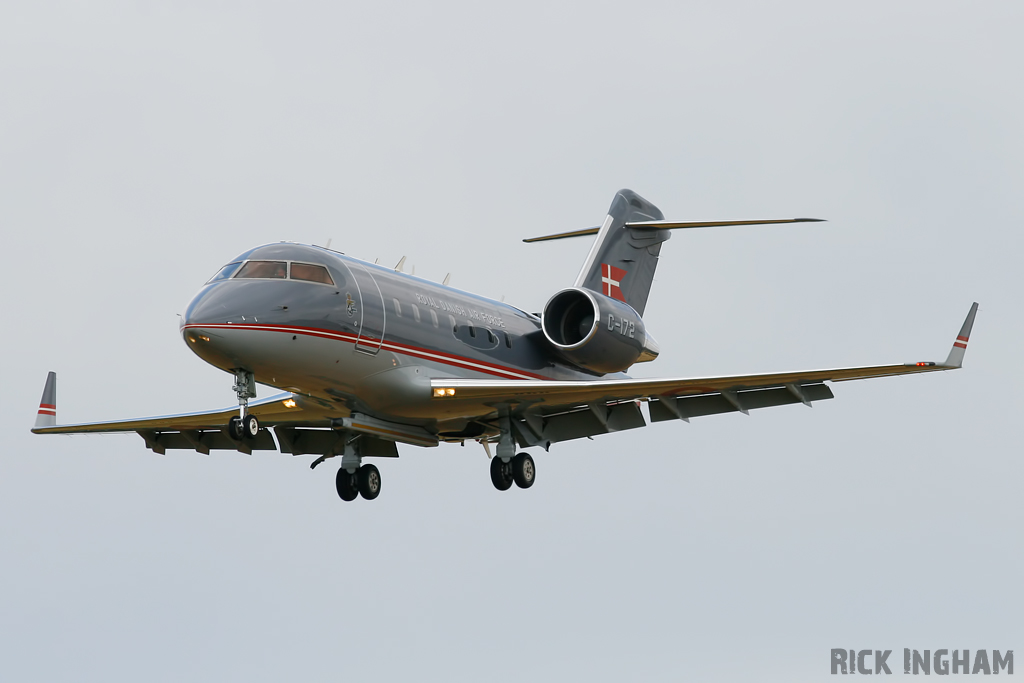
(284, 408)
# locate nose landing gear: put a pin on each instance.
(244, 426)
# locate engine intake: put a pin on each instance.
(595, 332)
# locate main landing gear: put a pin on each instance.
(520, 470)
(365, 482)
(507, 467)
(244, 426)
(354, 479)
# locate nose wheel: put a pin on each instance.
(244, 426)
(247, 427)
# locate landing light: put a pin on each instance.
(441, 393)
(289, 403)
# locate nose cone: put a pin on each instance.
(207, 307)
(203, 327)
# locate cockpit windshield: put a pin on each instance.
(276, 270)
(311, 273)
(224, 273)
(264, 269)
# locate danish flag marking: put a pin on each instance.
(611, 280)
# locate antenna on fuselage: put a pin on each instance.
(398, 268)
(328, 246)
(447, 278)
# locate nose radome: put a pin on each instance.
(209, 306)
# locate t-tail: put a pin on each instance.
(623, 258)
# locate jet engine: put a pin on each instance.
(596, 332)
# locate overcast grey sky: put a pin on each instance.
(141, 147)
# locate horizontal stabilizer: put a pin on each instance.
(671, 225)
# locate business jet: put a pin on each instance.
(369, 357)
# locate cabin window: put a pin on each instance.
(472, 331)
(311, 273)
(433, 317)
(398, 308)
(225, 272)
(490, 336)
(508, 340)
(455, 325)
(415, 312)
(277, 270)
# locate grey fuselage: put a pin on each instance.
(369, 343)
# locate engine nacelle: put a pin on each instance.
(596, 332)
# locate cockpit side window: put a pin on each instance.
(224, 273)
(311, 273)
(277, 270)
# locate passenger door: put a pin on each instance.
(371, 314)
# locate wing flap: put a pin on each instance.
(203, 441)
(685, 407)
(581, 422)
(541, 429)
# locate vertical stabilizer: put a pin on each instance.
(47, 416)
(622, 261)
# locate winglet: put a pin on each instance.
(956, 354)
(47, 416)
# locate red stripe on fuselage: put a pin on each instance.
(427, 354)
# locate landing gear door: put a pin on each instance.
(370, 312)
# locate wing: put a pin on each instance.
(302, 425)
(548, 411)
(285, 408)
(205, 430)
